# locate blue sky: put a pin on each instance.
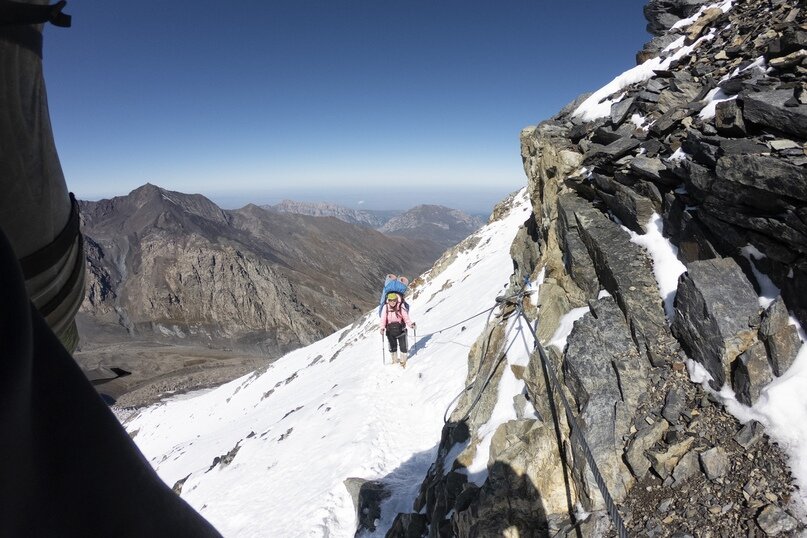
(326, 100)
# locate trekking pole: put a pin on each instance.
(383, 352)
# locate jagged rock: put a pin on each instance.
(678, 95)
(409, 525)
(716, 315)
(620, 109)
(663, 463)
(624, 269)
(707, 17)
(715, 463)
(598, 154)
(686, 468)
(668, 120)
(652, 48)
(749, 434)
(775, 521)
(576, 260)
(750, 373)
(782, 349)
(741, 146)
(649, 168)
(644, 439)
(674, 404)
(703, 149)
(367, 496)
(508, 505)
(554, 305)
(768, 109)
(598, 339)
(632, 209)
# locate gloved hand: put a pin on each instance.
(382, 330)
(414, 326)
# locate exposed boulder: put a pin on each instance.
(716, 315)
(598, 341)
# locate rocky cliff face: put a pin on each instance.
(177, 268)
(705, 141)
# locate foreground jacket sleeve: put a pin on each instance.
(69, 468)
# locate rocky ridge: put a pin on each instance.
(438, 224)
(371, 218)
(712, 141)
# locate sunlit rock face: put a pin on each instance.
(705, 143)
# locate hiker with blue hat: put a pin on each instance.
(394, 321)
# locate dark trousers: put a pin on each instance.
(396, 336)
(69, 467)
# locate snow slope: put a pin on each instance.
(331, 411)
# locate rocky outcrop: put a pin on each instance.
(708, 139)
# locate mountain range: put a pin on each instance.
(438, 224)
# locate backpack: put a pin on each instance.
(394, 284)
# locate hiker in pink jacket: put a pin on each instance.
(394, 321)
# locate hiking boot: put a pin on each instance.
(404, 357)
(394, 355)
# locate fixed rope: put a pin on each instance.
(501, 300)
(576, 434)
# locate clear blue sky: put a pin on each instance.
(331, 100)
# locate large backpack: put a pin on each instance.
(394, 284)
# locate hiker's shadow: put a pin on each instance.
(420, 343)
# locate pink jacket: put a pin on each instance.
(398, 315)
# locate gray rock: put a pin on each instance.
(769, 110)
(619, 110)
(644, 439)
(367, 496)
(716, 315)
(775, 318)
(647, 167)
(674, 404)
(665, 462)
(576, 258)
(654, 46)
(597, 339)
(729, 119)
(668, 120)
(715, 463)
(625, 270)
(631, 208)
(686, 468)
(750, 373)
(741, 146)
(782, 349)
(409, 525)
(599, 154)
(775, 521)
(749, 434)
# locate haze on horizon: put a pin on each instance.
(388, 105)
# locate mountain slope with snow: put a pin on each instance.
(333, 410)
